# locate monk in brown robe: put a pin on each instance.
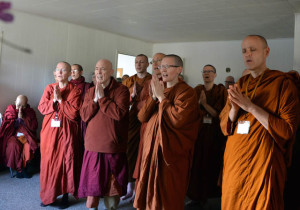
(170, 135)
(79, 81)
(106, 108)
(61, 156)
(293, 183)
(260, 120)
(209, 147)
(135, 84)
(145, 94)
(18, 137)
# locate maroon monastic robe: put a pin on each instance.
(83, 86)
(61, 156)
(8, 132)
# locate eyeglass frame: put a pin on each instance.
(167, 66)
(207, 71)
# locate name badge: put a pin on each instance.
(20, 134)
(243, 127)
(207, 120)
(55, 123)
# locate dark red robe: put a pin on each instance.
(61, 155)
(11, 154)
(83, 86)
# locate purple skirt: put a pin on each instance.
(96, 172)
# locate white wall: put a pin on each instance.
(52, 41)
(224, 54)
(297, 43)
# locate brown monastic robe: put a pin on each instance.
(209, 147)
(168, 149)
(145, 93)
(134, 123)
(61, 156)
(254, 169)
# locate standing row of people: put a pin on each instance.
(156, 140)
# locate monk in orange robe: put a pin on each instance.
(135, 84)
(172, 116)
(61, 156)
(18, 137)
(209, 147)
(260, 119)
(145, 93)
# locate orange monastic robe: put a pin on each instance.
(60, 147)
(209, 147)
(134, 123)
(254, 170)
(168, 149)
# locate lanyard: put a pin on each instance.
(257, 83)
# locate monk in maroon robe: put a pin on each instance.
(135, 85)
(79, 81)
(106, 108)
(18, 136)
(172, 116)
(61, 156)
(260, 118)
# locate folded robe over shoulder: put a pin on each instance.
(168, 149)
(61, 156)
(255, 164)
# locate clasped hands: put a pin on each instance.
(202, 99)
(238, 100)
(157, 87)
(57, 94)
(20, 108)
(99, 92)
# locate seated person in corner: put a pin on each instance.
(18, 140)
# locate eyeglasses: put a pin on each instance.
(229, 82)
(75, 70)
(63, 70)
(155, 61)
(208, 71)
(166, 66)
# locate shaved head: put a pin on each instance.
(261, 38)
(105, 62)
(21, 101)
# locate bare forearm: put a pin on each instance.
(261, 115)
(232, 115)
(210, 110)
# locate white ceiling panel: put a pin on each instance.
(173, 20)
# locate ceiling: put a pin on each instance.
(160, 21)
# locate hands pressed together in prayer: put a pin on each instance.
(134, 92)
(157, 87)
(238, 100)
(99, 92)
(57, 94)
(20, 112)
(202, 99)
